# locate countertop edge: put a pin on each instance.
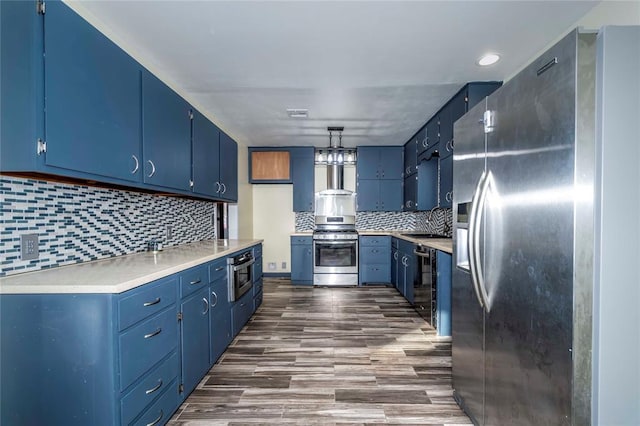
(7, 288)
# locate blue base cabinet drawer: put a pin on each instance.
(241, 312)
(137, 304)
(257, 301)
(375, 273)
(152, 386)
(145, 344)
(193, 280)
(160, 411)
(218, 270)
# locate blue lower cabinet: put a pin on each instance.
(241, 311)
(443, 293)
(375, 252)
(219, 318)
(375, 273)
(58, 363)
(194, 339)
(257, 301)
(155, 383)
(302, 260)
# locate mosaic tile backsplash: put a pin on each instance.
(437, 222)
(77, 223)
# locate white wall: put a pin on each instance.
(241, 214)
(274, 221)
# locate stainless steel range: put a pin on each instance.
(335, 258)
(335, 240)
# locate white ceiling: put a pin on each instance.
(380, 69)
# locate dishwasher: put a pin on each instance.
(425, 286)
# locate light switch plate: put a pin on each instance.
(29, 247)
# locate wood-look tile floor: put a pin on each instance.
(328, 356)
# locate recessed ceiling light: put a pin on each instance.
(488, 59)
(297, 112)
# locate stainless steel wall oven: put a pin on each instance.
(240, 274)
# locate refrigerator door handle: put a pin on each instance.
(482, 289)
(473, 234)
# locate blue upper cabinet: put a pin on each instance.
(205, 141)
(92, 92)
(368, 165)
(215, 160)
(302, 175)
(380, 162)
(166, 135)
(411, 156)
(379, 178)
(228, 168)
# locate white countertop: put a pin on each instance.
(121, 273)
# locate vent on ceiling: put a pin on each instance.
(297, 112)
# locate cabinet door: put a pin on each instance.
(427, 191)
(410, 157)
(423, 142)
(194, 338)
(219, 319)
(433, 133)
(390, 195)
(302, 170)
(368, 164)
(391, 162)
(446, 181)
(205, 141)
(394, 266)
(368, 198)
(302, 263)
(410, 186)
(166, 135)
(92, 92)
(446, 129)
(228, 168)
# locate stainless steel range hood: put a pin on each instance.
(335, 157)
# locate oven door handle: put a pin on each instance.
(243, 265)
(422, 254)
(336, 243)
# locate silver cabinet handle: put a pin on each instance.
(155, 302)
(447, 197)
(242, 304)
(153, 168)
(206, 305)
(156, 421)
(219, 187)
(220, 268)
(425, 142)
(214, 304)
(395, 255)
(155, 333)
(135, 169)
(224, 188)
(198, 281)
(155, 388)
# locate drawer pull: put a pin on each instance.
(156, 421)
(220, 268)
(155, 333)
(155, 302)
(155, 388)
(198, 281)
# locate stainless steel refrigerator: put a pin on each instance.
(523, 246)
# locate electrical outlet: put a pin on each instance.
(169, 232)
(29, 247)
(284, 265)
(271, 266)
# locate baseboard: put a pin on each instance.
(276, 274)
